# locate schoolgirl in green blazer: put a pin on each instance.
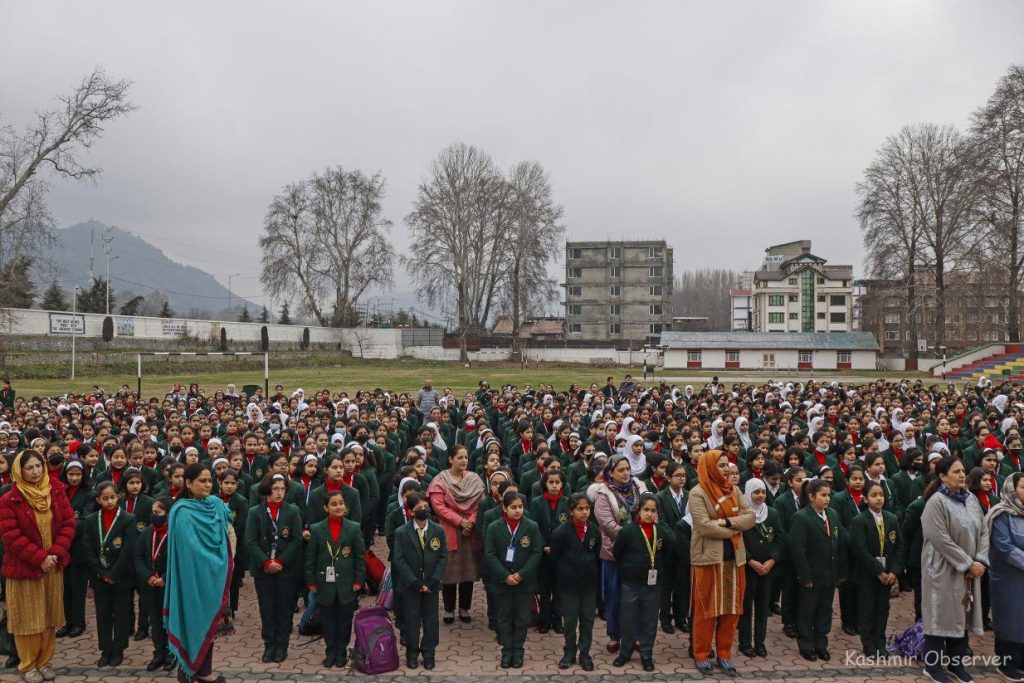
(548, 511)
(335, 570)
(229, 491)
(575, 551)
(675, 591)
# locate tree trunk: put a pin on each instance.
(516, 351)
(1013, 314)
(463, 324)
(940, 301)
(911, 300)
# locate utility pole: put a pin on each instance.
(74, 312)
(92, 242)
(229, 290)
(107, 239)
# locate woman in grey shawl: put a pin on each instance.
(1005, 522)
(953, 560)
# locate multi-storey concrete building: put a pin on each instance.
(796, 291)
(618, 291)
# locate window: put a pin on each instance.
(821, 298)
(768, 360)
(821, 315)
(821, 280)
(575, 290)
(656, 309)
(837, 317)
(614, 309)
(655, 290)
(575, 328)
(794, 298)
(837, 300)
(806, 357)
(654, 271)
(575, 254)
(732, 356)
(614, 290)
(693, 356)
(777, 300)
(792, 280)
(776, 317)
(615, 252)
(615, 328)
(575, 273)
(807, 301)
(794, 316)
(654, 252)
(972, 335)
(575, 309)
(842, 356)
(615, 271)
(655, 328)
(892, 318)
(892, 335)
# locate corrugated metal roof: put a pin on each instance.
(842, 341)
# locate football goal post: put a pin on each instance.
(227, 354)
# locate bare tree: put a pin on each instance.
(52, 146)
(705, 293)
(459, 230)
(325, 243)
(998, 129)
(535, 238)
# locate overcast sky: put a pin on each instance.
(722, 127)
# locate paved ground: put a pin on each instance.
(469, 653)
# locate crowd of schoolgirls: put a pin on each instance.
(833, 474)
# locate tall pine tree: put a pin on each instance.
(286, 318)
(54, 299)
(264, 316)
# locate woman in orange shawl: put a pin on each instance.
(720, 516)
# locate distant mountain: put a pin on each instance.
(140, 269)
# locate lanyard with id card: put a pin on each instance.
(273, 543)
(329, 573)
(652, 549)
(510, 551)
(105, 536)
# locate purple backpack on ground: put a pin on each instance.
(908, 643)
(376, 649)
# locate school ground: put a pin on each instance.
(399, 375)
(468, 653)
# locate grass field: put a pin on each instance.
(403, 375)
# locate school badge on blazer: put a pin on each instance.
(116, 542)
(563, 517)
(661, 543)
(346, 551)
(525, 542)
(140, 525)
(435, 544)
(259, 474)
(892, 536)
(285, 532)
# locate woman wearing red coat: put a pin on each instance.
(37, 526)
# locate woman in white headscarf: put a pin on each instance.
(717, 432)
(624, 432)
(438, 439)
(636, 456)
(898, 422)
(763, 545)
(743, 431)
(999, 403)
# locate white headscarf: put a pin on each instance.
(438, 440)
(760, 509)
(637, 466)
(999, 403)
(744, 434)
(624, 432)
(715, 441)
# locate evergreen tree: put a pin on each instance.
(286, 318)
(264, 316)
(165, 311)
(16, 288)
(131, 307)
(54, 299)
(245, 317)
(94, 299)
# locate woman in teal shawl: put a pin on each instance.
(200, 545)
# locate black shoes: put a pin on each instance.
(683, 625)
(647, 663)
(542, 629)
(566, 661)
(280, 654)
(268, 655)
(747, 651)
(586, 663)
(761, 651)
(517, 660)
(340, 661)
(790, 631)
(329, 660)
(809, 656)
(449, 619)
(103, 661)
(823, 655)
(849, 629)
(506, 661)
(465, 617)
(116, 659)
(776, 610)
(76, 630)
(63, 630)
(667, 627)
(621, 660)
(411, 661)
(428, 662)
(155, 663)
(141, 634)
(557, 628)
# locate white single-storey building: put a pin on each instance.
(770, 351)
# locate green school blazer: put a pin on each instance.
(141, 512)
(414, 566)
(863, 542)
(117, 549)
(296, 495)
(546, 518)
(259, 537)
(349, 561)
(527, 547)
(819, 557)
(315, 508)
(668, 512)
(785, 505)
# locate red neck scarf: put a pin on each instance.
(108, 518)
(659, 482)
(581, 529)
(648, 529)
(513, 524)
(160, 531)
(755, 473)
(335, 526)
(857, 496)
(115, 475)
(73, 491)
(306, 481)
(129, 504)
(527, 445)
(983, 499)
(348, 478)
(274, 509)
(552, 499)
(225, 497)
(173, 492)
(332, 485)
(820, 457)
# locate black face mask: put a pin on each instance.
(175, 449)
(421, 514)
(158, 520)
(363, 438)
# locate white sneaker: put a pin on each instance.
(33, 676)
(47, 673)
